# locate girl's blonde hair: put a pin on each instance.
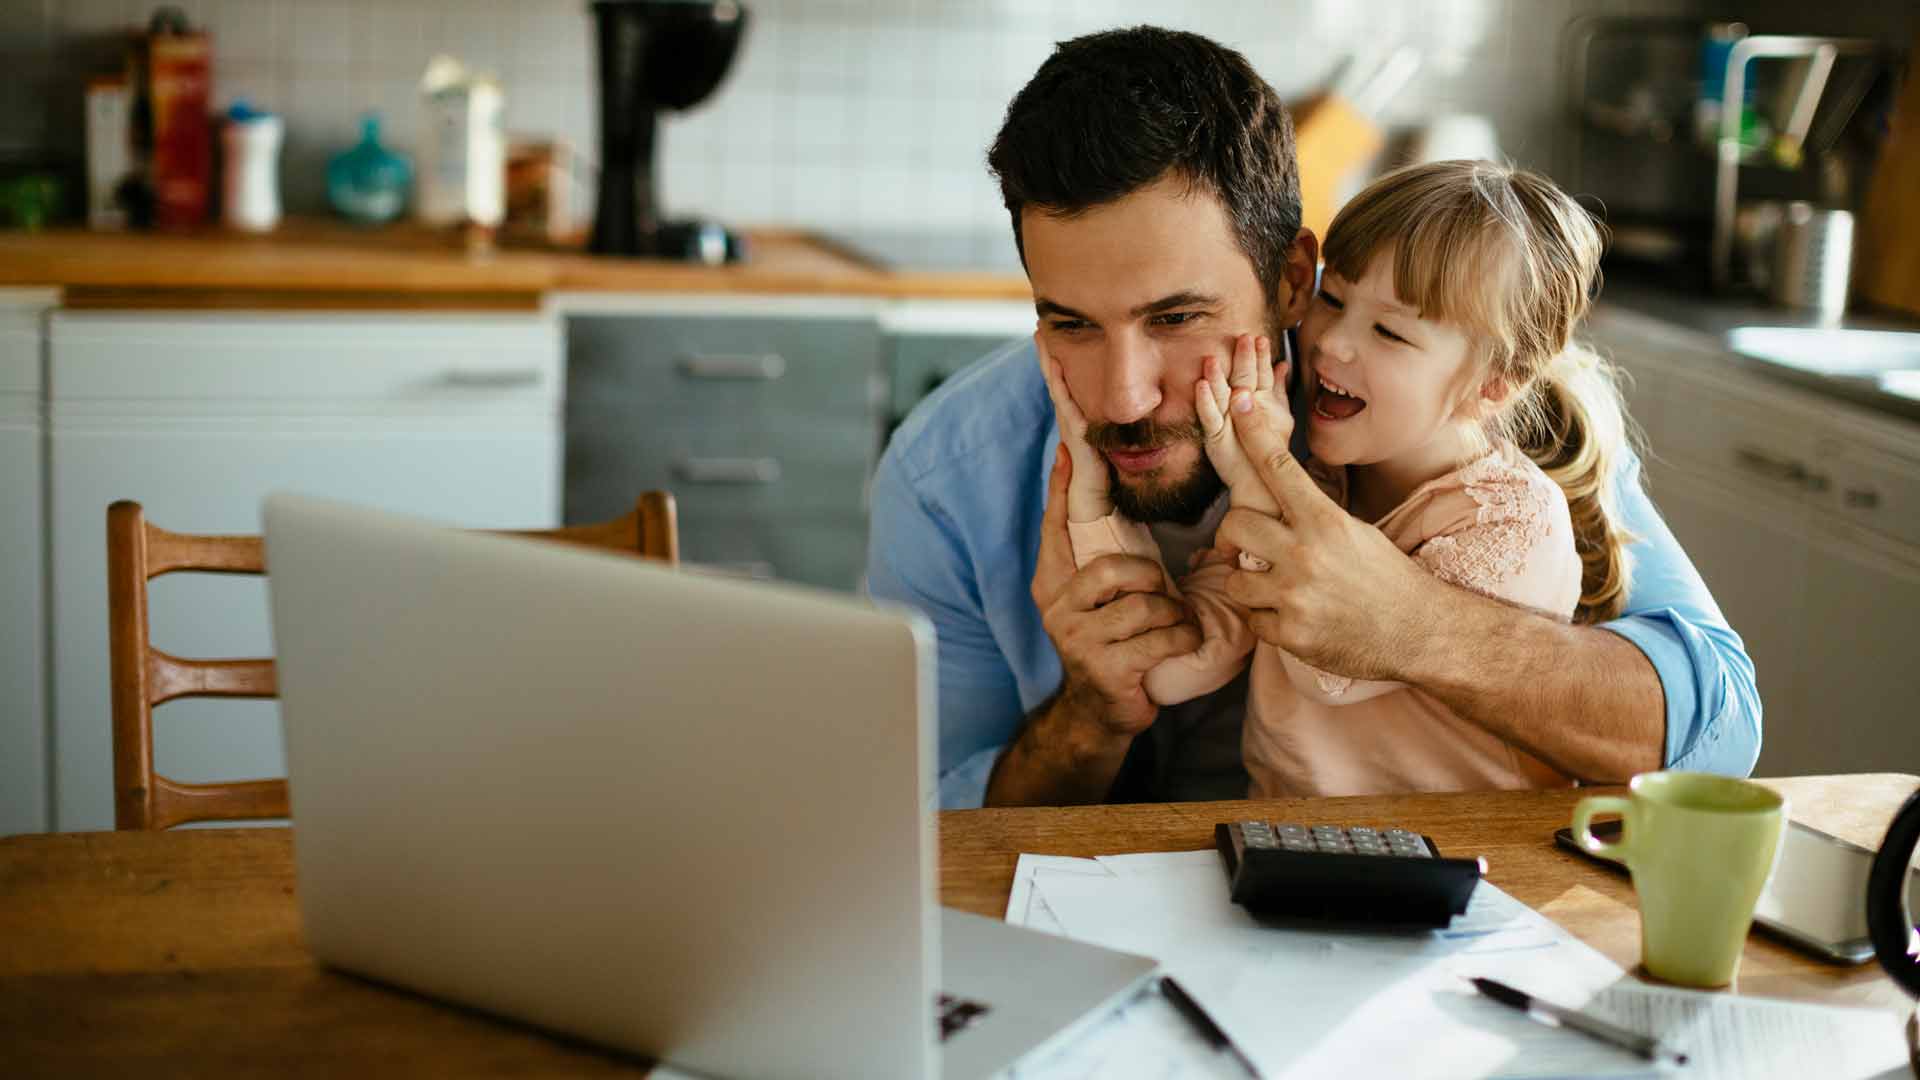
(1514, 261)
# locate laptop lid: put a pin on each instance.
(666, 812)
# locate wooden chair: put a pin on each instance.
(144, 676)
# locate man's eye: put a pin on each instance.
(1068, 325)
(1331, 300)
(1388, 334)
(1175, 318)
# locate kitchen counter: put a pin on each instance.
(1707, 320)
(322, 264)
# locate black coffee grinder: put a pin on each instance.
(654, 55)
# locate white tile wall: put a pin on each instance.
(837, 112)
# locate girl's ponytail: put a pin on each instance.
(1575, 429)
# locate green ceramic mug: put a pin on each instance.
(1701, 848)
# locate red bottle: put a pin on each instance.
(180, 86)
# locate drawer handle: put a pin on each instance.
(764, 367)
(509, 379)
(1862, 498)
(758, 472)
(1773, 468)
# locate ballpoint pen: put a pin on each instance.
(1197, 1016)
(1547, 1012)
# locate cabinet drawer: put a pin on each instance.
(1726, 433)
(827, 552)
(478, 359)
(746, 371)
(922, 362)
(1876, 491)
(729, 469)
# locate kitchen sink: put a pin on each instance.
(1877, 354)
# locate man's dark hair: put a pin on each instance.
(1110, 113)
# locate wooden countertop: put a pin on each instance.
(313, 263)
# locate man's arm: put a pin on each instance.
(1111, 622)
(1713, 710)
(1668, 684)
(915, 558)
(1066, 755)
(1583, 700)
(1342, 597)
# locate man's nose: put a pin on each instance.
(1133, 381)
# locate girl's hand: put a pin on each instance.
(1250, 385)
(1087, 497)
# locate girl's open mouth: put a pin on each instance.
(1330, 402)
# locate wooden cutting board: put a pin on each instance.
(1889, 256)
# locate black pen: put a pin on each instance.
(1209, 1030)
(1547, 1012)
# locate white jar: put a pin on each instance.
(250, 193)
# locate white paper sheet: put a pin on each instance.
(1735, 1038)
(1306, 1002)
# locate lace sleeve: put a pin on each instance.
(1507, 518)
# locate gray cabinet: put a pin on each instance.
(23, 638)
(1802, 512)
(764, 427)
(930, 341)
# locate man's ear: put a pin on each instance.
(1294, 291)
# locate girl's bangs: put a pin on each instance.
(1452, 258)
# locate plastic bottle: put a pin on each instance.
(250, 189)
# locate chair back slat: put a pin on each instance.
(170, 677)
(144, 676)
(168, 552)
(243, 800)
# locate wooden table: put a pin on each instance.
(180, 953)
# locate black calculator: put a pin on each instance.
(1351, 874)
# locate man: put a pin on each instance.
(1151, 180)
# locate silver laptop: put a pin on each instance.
(670, 813)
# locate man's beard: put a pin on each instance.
(1154, 499)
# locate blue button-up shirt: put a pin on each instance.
(957, 503)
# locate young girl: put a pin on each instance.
(1447, 405)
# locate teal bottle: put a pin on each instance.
(368, 183)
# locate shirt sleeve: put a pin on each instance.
(915, 557)
(1225, 638)
(1713, 702)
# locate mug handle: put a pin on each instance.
(1583, 826)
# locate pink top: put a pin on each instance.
(1497, 526)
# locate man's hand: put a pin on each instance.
(1338, 594)
(1112, 621)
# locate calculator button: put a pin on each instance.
(1294, 843)
(1359, 831)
